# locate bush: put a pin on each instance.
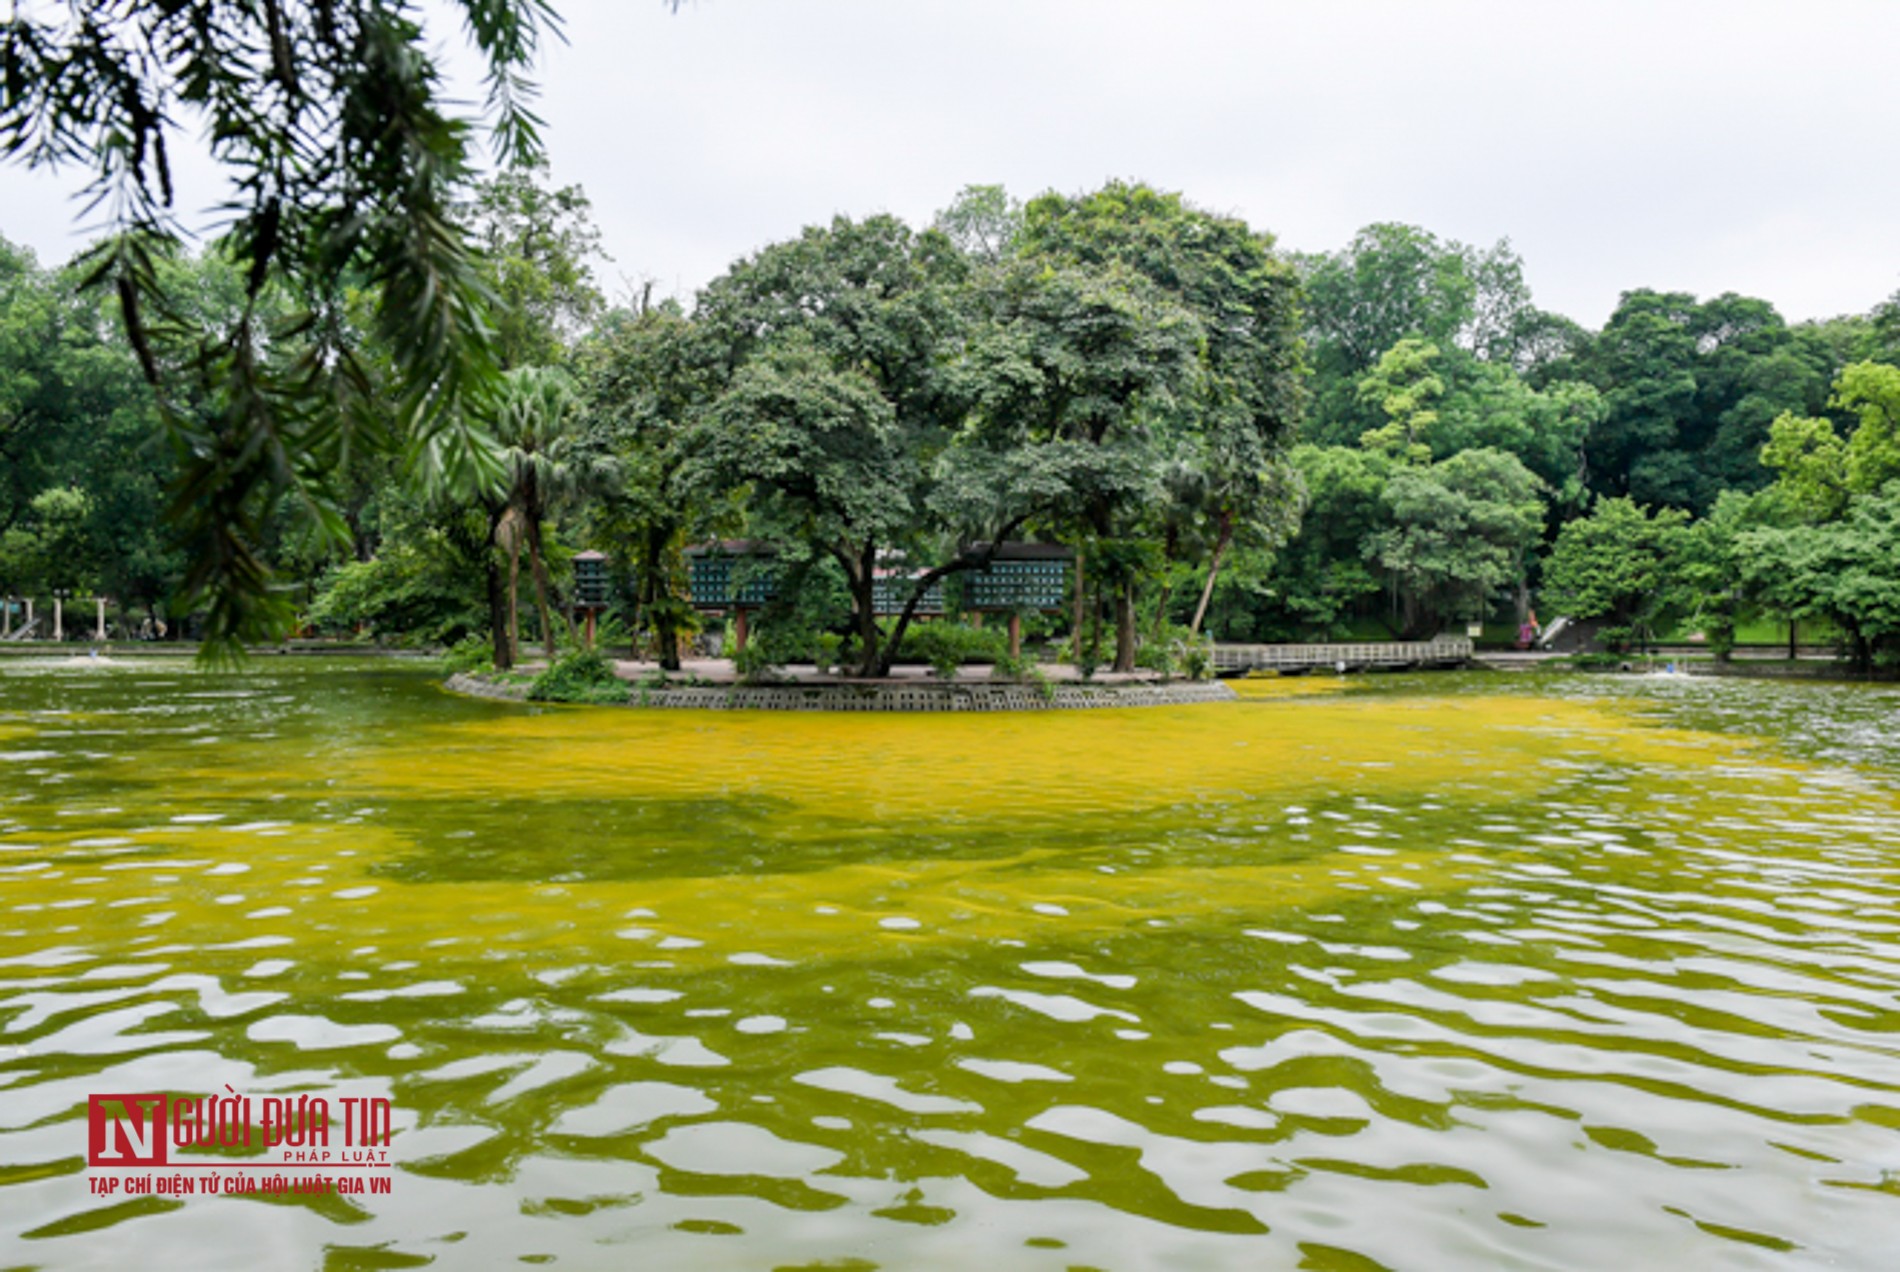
(1010, 667)
(400, 592)
(1156, 655)
(1197, 660)
(1617, 640)
(946, 646)
(474, 652)
(826, 646)
(1089, 661)
(754, 663)
(579, 677)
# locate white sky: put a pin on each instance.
(1727, 145)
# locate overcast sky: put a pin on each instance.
(1706, 147)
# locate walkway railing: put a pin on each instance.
(1443, 652)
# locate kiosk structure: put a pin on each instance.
(1020, 577)
(891, 588)
(732, 576)
(592, 588)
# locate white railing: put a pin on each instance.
(1406, 653)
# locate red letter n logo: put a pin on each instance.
(126, 1130)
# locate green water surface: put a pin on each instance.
(1460, 971)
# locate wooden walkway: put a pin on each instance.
(1356, 656)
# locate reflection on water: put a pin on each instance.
(1438, 972)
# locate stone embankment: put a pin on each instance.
(902, 696)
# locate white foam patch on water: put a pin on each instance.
(421, 989)
(682, 1053)
(884, 1090)
(761, 1025)
(759, 960)
(899, 923)
(1474, 973)
(639, 994)
(1072, 971)
(630, 1106)
(739, 1148)
(1063, 1007)
(556, 1066)
(1238, 1115)
(1013, 1070)
(1030, 1166)
(314, 1033)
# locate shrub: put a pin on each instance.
(1010, 667)
(474, 652)
(1617, 639)
(949, 645)
(1157, 655)
(1197, 660)
(579, 677)
(754, 663)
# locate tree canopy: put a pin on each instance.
(345, 162)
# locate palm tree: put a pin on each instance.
(537, 428)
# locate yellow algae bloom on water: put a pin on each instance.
(1177, 986)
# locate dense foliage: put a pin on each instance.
(1387, 440)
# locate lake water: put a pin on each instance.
(1460, 971)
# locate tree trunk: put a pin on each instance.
(497, 612)
(1081, 591)
(872, 664)
(1125, 626)
(1213, 571)
(541, 587)
(497, 593)
(669, 646)
(514, 598)
(1095, 620)
(1794, 630)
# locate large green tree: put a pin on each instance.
(1615, 564)
(1460, 532)
(1395, 283)
(1689, 392)
(1233, 419)
(345, 161)
(650, 379)
(1817, 471)
(1845, 572)
(836, 349)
